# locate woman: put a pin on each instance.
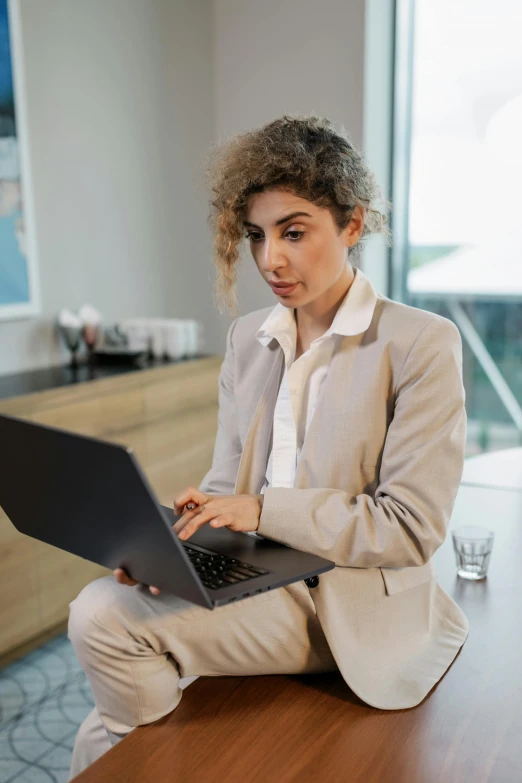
(341, 432)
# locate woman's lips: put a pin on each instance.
(282, 290)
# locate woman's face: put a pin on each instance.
(306, 249)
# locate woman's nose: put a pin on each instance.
(271, 256)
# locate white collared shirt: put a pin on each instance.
(303, 378)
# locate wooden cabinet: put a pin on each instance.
(168, 414)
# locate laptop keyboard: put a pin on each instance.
(217, 570)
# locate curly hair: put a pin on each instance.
(303, 155)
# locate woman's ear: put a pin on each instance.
(353, 231)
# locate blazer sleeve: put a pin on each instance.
(406, 519)
(221, 478)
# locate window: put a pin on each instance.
(458, 193)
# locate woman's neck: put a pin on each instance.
(315, 318)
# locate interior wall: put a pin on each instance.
(120, 111)
(124, 99)
(275, 58)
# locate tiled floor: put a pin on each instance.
(43, 699)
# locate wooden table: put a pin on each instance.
(313, 728)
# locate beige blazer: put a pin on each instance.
(374, 488)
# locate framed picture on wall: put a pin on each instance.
(19, 289)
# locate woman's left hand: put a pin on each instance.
(240, 513)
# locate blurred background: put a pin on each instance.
(122, 99)
(107, 108)
(460, 254)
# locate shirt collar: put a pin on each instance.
(353, 316)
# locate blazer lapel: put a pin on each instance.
(253, 462)
(252, 465)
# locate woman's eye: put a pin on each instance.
(255, 236)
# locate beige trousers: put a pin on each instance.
(134, 647)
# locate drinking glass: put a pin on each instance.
(472, 545)
(72, 336)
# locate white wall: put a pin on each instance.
(120, 111)
(286, 56)
(124, 98)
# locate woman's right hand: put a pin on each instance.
(123, 578)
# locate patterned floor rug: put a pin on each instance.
(44, 697)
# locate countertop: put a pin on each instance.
(30, 381)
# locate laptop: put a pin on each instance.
(90, 497)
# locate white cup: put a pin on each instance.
(155, 327)
(192, 337)
(137, 332)
(171, 338)
(185, 338)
